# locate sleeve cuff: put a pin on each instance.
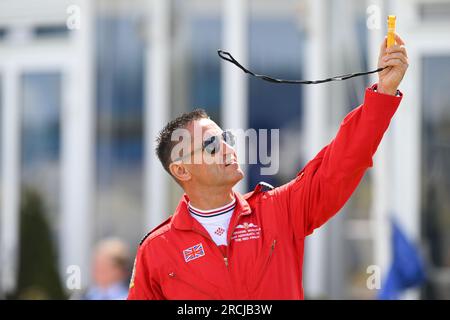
(379, 105)
(375, 87)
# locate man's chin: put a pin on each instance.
(237, 176)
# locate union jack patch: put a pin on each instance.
(193, 252)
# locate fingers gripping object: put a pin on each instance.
(390, 41)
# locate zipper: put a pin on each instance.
(266, 264)
(272, 248)
(174, 276)
(225, 258)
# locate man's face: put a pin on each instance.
(206, 169)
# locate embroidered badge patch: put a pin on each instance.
(246, 231)
(193, 252)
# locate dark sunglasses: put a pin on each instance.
(212, 144)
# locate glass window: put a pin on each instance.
(3, 33)
(205, 83)
(433, 12)
(119, 127)
(40, 138)
(281, 56)
(436, 172)
(51, 31)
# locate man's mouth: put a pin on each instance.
(229, 162)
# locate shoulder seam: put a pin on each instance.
(160, 229)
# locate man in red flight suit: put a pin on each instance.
(220, 244)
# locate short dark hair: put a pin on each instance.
(164, 143)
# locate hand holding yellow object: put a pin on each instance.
(393, 59)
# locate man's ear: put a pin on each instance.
(179, 171)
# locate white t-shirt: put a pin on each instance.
(215, 221)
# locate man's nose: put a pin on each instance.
(227, 149)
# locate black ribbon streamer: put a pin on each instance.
(228, 57)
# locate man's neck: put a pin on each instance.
(210, 199)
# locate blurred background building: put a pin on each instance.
(85, 85)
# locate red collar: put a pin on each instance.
(182, 219)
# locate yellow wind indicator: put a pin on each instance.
(391, 31)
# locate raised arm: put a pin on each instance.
(326, 183)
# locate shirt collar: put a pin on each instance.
(182, 219)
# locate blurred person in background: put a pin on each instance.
(110, 271)
(220, 244)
